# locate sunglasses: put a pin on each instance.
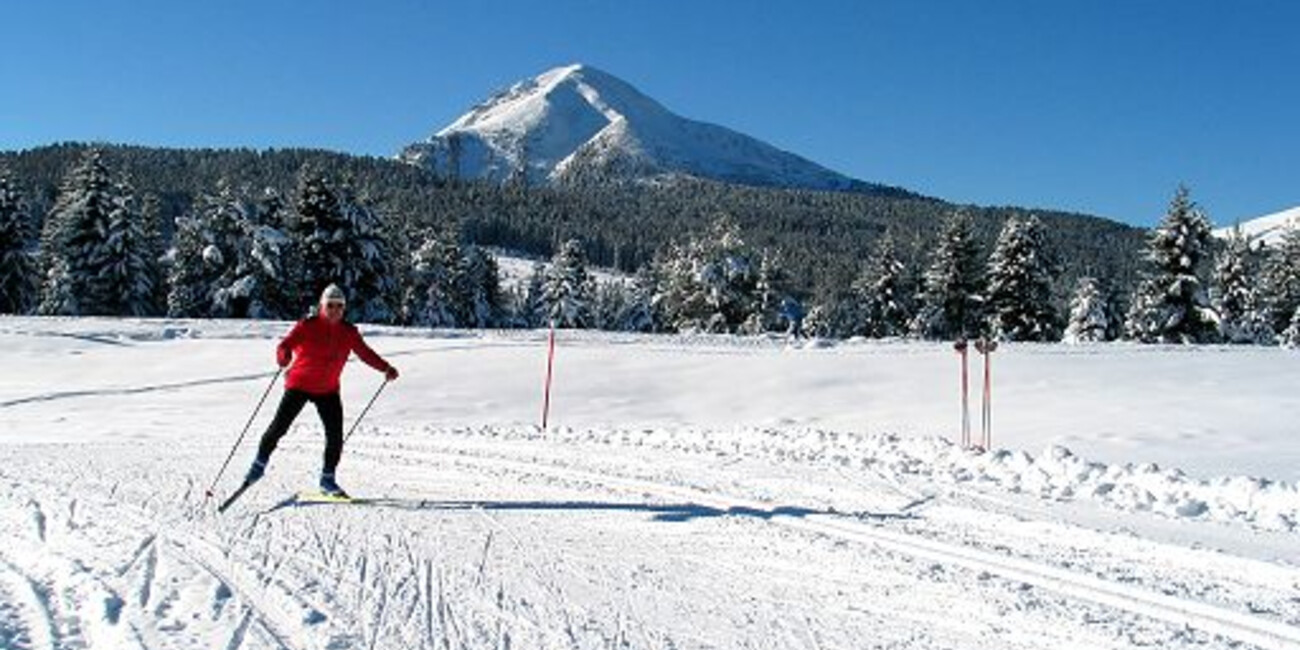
(334, 305)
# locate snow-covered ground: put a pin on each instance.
(516, 269)
(691, 492)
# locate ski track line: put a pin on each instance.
(267, 616)
(1208, 618)
(207, 557)
(146, 552)
(119, 391)
(258, 590)
(204, 555)
(32, 616)
(547, 575)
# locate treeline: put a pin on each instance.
(124, 230)
(824, 237)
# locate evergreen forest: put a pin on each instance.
(123, 230)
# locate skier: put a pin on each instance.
(318, 347)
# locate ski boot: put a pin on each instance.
(255, 471)
(330, 488)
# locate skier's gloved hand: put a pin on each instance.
(282, 359)
(391, 374)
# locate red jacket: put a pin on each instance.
(319, 349)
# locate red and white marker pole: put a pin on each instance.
(986, 348)
(550, 365)
(961, 347)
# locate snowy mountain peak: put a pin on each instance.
(577, 122)
(573, 93)
(1268, 228)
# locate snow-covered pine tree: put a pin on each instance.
(674, 288)
(1291, 335)
(481, 280)
(839, 310)
(1234, 293)
(265, 262)
(569, 290)
(1171, 305)
(819, 322)
(429, 298)
(639, 314)
(151, 211)
(952, 301)
(340, 240)
(1020, 284)
(709, 283)
(190, 277)
(85, 232)
(769, 292)
(1282, 278)
(368, 276)
(882, 294)
(317, 233)
(532, 308)
(1089, 316)
(608, 304)
(206, 253)
(132, 272)
(728, 277)
(17, 250)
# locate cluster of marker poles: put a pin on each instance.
(985, 348)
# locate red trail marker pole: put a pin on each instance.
(550, 365)
(961, 347)
(986, 348)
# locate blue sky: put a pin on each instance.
(1096, 106)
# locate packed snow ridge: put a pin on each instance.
(577, 122)
(1056, 474)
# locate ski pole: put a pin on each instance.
(252, 417)
(367, 408)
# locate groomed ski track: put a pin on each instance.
(279, 574)
(1141, 601)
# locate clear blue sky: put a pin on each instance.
(1097, 106)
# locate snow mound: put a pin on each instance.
(1055, 474)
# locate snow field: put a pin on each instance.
(697, 492)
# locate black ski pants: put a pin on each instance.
(330, 409)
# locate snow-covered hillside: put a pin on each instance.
(692, 492)
(580, 122)
(1268, 228)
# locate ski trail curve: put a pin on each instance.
(1208, 618)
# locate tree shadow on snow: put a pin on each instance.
(665, 512)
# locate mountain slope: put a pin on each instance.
(1268, 228)
(578, 123)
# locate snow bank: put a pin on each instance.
(1056, 474)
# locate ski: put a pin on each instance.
(233, 496)
(323, 497)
